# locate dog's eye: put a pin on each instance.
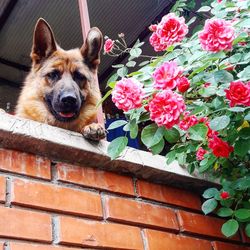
(54, 75)
(77, 76)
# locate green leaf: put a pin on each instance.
(247, 117)
(131, 64)
(245, 133)
(198, 132)
(170, 156)
(112, 79)
(122, 71)
(151, 135)
(144, 63)
(209, 205)
(237, 109)
(117, 124)
(118, 66)
(210, 193)
(157, 148)
(227, 203)
(247, 229)
(207, 163)
(241, 37)
(220, 122)
(245, 23)
(242, 213)
(172, 135)
(230, 227)
(225, 212)
(135, 52)
(133, 128)
(241, 147)
(204, 9)
(235, 58)
(242, 183)
(117, 146)
(244, 74)
(104, 98)
(192, 20)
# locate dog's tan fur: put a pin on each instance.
(31, 103)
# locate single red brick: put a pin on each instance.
(168, 195)
(56, 198)
(94, 178)
(139, 213)
(27, 246)
(87, 233)
(226, 246)
(2, 188)
(26, 164)
(160, 240)
(23, 224)
(201, 224)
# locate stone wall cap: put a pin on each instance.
(67, 146)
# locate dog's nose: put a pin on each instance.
(68, 99)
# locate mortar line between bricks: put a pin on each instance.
(8, 192)
(103, 204)
(55, 229)
(8, 241)
(134, 179)
(6, 246)
(211, 238)
(144, 240)
(53, 172)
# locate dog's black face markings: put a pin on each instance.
(65, 98)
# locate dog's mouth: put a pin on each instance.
(63, 115)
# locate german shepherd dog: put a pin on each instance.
(60, 89)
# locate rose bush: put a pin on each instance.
(195, 95)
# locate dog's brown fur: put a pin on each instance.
(47, 56)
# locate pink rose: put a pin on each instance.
(219, 147)
(183, 84)
(166, 107)
(170, 30)
(155, 41)
(165, 76)
(200, 154)
(188, 121)
(128, 94)
(108, 45)
(217, 35)
(238, 93)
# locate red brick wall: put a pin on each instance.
(48, 206)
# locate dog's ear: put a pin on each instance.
(44, 43)
(92, 47)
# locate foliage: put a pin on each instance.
(213, 121)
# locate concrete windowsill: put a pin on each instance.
(67, 146)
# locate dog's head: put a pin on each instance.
(64, 76)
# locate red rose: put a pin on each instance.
(183, 84)
(224, 195)
(219, 147)
(238, 93)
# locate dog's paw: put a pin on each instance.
(94, 131)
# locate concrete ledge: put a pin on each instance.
(67, 146)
